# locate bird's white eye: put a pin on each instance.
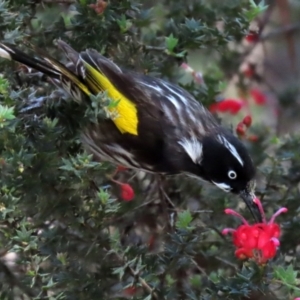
(232, 174)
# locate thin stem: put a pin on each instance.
(142, 281)
(201, 270)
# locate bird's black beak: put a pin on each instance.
(248, 196)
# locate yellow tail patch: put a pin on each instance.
(126, 112)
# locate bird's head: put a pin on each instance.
(225, 162)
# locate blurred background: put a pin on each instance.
(71, 230)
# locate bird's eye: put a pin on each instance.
(232, 174)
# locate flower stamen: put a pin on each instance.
(229, 211)
(228, 230)
(261, 210)
(279, 211)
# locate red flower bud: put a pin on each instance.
(130, 291)
(247, 121)
(252, 36)
(151, 242)
(240, 129)
(127, 192)
(249, 73)
(253, 138)
(249, 70)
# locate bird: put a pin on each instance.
(155, 125)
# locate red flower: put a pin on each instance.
(232, 106)
(250, 70)
(253, 138)
(252, 36)
(258, 96)
(247, 121)
(240, 129)
(258, 241)
(121, 169)
(127, 192)
(130, 291)
(99, 7)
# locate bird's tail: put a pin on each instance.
(48, 66)
(90, 73)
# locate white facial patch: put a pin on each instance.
(193, 148)
(223, 186)
(4, 53)
(231, 149)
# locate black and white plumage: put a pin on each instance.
(159, 126)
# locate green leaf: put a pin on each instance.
(196, 280)
(287, 276)
(255, 10)
(6, 113)
(184, 220)
(103, 195)
(180, 54)
(119, 271)
(124, 24)
(3, 86)
(171, 42)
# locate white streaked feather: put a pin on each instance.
(123, 152)
(178, 94)
(174, 101)
(4, 53)
(231, 148)
(168, 113)
(193, 148)
(154, 87)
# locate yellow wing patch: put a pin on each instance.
(126, 118)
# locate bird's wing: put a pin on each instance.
(144, 102)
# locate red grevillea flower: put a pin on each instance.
(258, 96)
(127, 192)
(258, 241)
(232, 106)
